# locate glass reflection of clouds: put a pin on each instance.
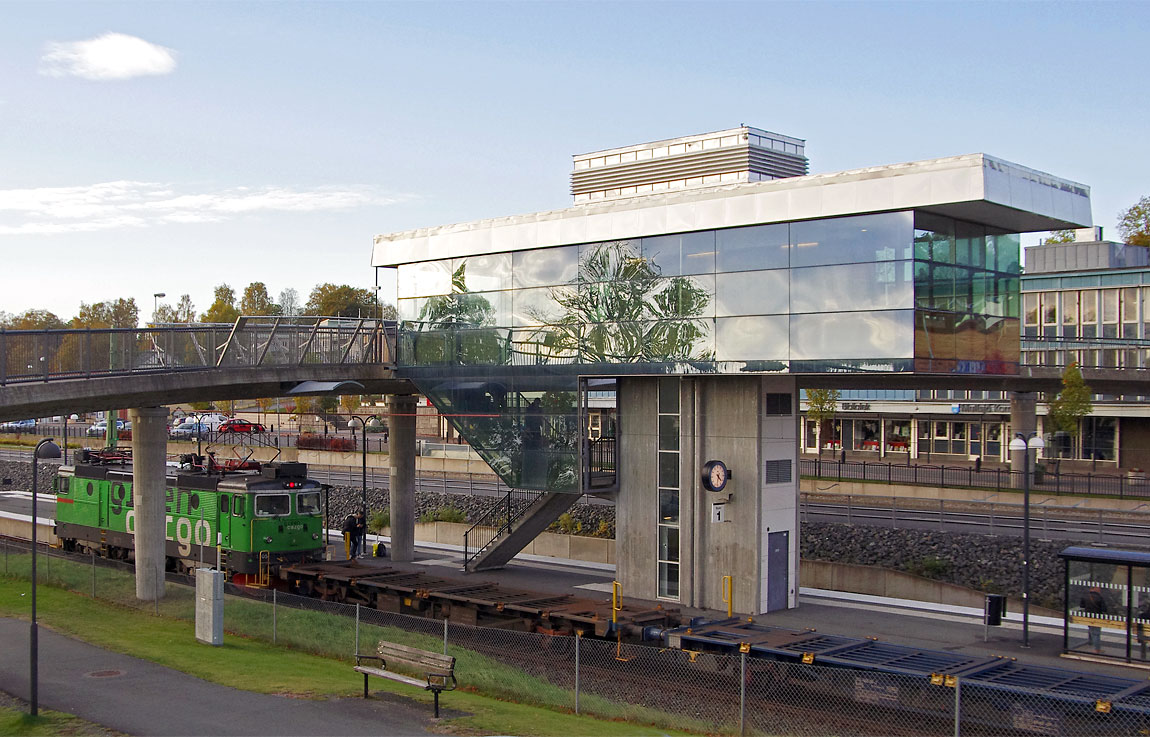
(543, 267)
(752, 293)
(838, 335)
(759, 338)
(425, 279)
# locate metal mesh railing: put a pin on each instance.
(46, 355)
(707, 693)
(997, 479)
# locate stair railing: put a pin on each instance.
(496, 522)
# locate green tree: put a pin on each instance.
(1058, 236)
(822, 404)
(119, 313)
(341, 300)
(1134, 223)
(32, 320)
(350, 402)
(304, 406)
(257, 301)
(223, 309)
(185, 310)
(289, 302)
(1071, 404)
(165, 314)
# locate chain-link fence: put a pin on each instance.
(703, 692)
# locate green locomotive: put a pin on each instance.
(252, 521)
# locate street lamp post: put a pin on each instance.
(156, 303)
(44, 449)
(363, 478)
(1026, 442)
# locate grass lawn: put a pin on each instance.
(172, 643)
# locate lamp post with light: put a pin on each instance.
(1026, 442)
(44, 449)
(363, 479)
(156, 304)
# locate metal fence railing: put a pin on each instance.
(707, 693)
(46, 355)
(996, 479)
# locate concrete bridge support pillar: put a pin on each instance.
(1023, 419)
(149, 490)
(401, 441)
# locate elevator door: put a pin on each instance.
(778, 569)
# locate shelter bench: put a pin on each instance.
(438, 671)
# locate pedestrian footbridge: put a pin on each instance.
(46, 372)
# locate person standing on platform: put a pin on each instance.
(359, 543)
(1094, 605)
(348, 530)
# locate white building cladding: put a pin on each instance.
(703, 304)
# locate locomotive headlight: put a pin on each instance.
(315, 536)
(268, 539)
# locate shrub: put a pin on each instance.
(313, 441)
(378, 520)
(444, 514)
(567, 524)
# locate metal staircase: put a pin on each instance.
(508, 527)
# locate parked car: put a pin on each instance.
(100, 427)
(212, 419)
(19, 426)
(240, 426)
(190, 431)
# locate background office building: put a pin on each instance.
(1086, 301)
(699, 309)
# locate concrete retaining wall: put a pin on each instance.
(575, 547)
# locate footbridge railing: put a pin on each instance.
(48, 355)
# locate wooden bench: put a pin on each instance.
(438, 671)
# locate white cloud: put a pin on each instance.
(111, 56)
(124, 204)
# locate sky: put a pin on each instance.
(152, 147)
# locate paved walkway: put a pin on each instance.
(138, 697)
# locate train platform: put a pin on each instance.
(898, 621)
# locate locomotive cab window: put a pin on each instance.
(225, 504)
(307, 502)
(271, 505)
(237, 506)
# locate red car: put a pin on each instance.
(237, 426)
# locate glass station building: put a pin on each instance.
(699, 306)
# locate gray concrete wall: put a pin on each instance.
(636, 505)
(401, 476)
(149, 493)
(728, 432)
(721, 418)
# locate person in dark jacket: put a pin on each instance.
(348, 530)
(1093, 603)
(359, 536)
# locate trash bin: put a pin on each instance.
(995, 609)
(379, 551)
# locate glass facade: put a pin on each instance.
(890, 292)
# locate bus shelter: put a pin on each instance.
(1108, 592)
